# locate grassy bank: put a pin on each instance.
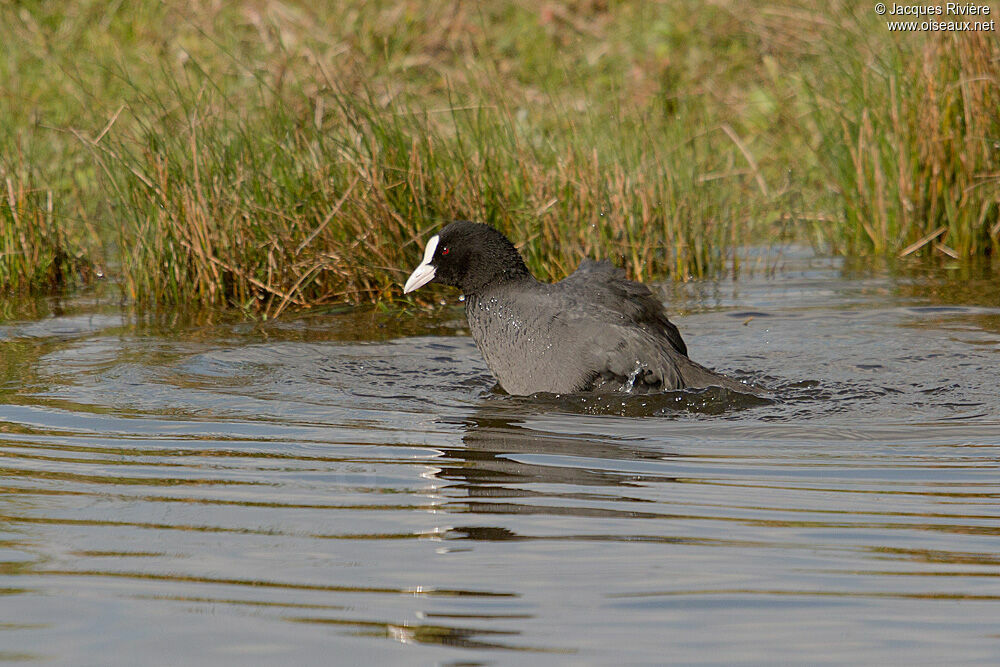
(268, 155)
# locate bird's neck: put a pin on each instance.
(515, 274)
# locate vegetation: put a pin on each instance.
(910, 137)
(36, 250)
(267, 155)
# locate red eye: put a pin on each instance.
(444, 251)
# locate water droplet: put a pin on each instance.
(633, 376)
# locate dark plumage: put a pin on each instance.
(593, 331)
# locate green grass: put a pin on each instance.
(269, 155)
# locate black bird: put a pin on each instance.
(592, 331)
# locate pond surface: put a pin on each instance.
(349, 488)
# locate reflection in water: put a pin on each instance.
(216, 490)
(488, 458)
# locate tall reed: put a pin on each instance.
(277, 204)
(36, 253)
(908, 132)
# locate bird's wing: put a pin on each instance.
(631, 359)
(618, 299)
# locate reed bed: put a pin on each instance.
(271, 155)
(908, 133)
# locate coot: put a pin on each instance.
(594, 331)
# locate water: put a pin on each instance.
(348, 488)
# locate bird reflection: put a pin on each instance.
(503, 459)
